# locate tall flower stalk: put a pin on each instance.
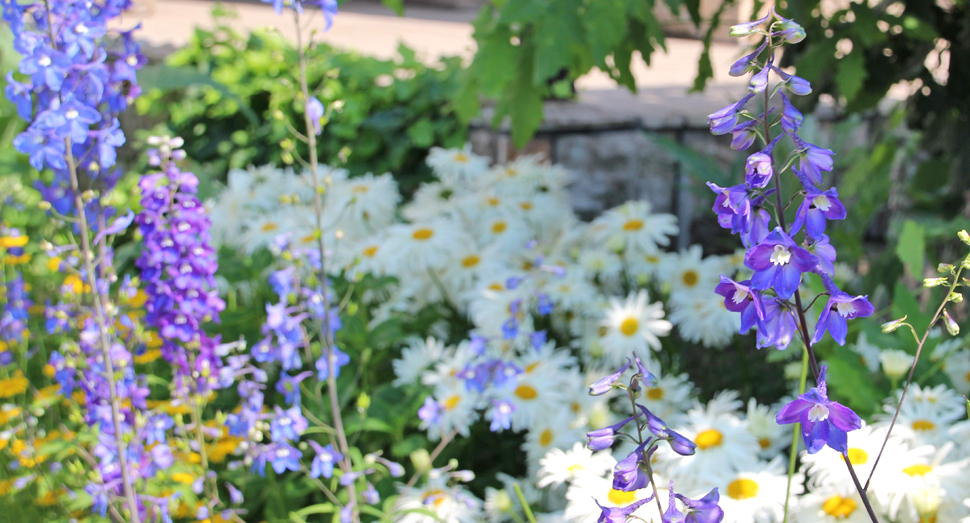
(73, 92)
(772, 300)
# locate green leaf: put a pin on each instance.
(851, 74)
(166, 78)
(694, 10)
(905, 304)
(522, 11)
(701, 167)
(522, 101)
(395, 5)
(559, 30)
(816, 61)
(422, 133)
(603, 20)
(299, 516)
(850, 382)
(705, 71)
(911, 248)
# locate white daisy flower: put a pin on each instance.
(632, 326)
(430, 200)
(459, 409)
(469, 265)
(703, 318)
(604, 266)
(922, 480)
(415, 359)
(757, 495)
(559, 466)
(550, 432)
(425, 245)
(506, 234)
(365, 204)
(724, 446)
(450, 503)
(926, 415)
(536, 395)
(570, 293)
(826, 468)
(690, 272)
(772, 437)
(830, 505)
(455, 166)
(645, 267)
(670, 398)
(632, 227)
(587, 489)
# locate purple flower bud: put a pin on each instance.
(604, 385)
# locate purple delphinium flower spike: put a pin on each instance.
(604, 385)
(644, 375)
(824, 422)
(746, 28)
(816, 209)
(759, 81)
(795, 84)
(778, 263)
(738, 297)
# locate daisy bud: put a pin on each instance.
(951, 326)
(895, 363)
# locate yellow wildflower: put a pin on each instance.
(73, 284)
(7, 413)
(148, 357)
(53, 264)
(13, 241)
(16, 260)
(14, 385)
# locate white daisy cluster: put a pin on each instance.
(464, 236)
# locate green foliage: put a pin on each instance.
(911, 247)
(231, 96)
(532, 50)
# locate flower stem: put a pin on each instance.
(327, 334)
(793, 455)
(912, 368)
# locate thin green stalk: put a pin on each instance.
(793, 455)
(525, 506)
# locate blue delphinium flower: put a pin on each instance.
(619, 514)
(283, 456)
(323, 460)
(824, 422)
(739, 297)
(703, 510)
(778, 263)
(817, 208)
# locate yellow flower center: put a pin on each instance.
(629, 326)
(470, 261)
(633, 225)
(526, 206)
(839, 507)
(858, 456)
(709, 438)
(652, 258)
(764, 443)
(496, 287)
(922, 424)
(526, 392)
(917, 470)
(370, 251)
(461, 157)
(545, 438)
(655, 394)
(269, 226)
(621, 498)
(531, 367)
(743, 488)
(690, 278)
(422, 234)
(574, 468)
(359, 189)
(452, 402)
(498, 227)
(493, 201)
